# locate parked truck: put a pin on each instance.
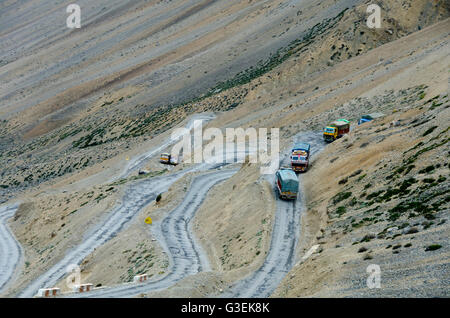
(336, 130)
(286, 182)
(168, 159)
(300, 157)
(369, 117)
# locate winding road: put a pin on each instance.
(186, 257)
(174, 233)
(137, 196)
(139, 161)
(281, 256)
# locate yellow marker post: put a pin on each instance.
(148, 220)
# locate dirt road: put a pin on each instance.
(139, 161)
(175, 235)
(10, 250)
(285, 235)
(136, 197)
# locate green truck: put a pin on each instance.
(286, 183)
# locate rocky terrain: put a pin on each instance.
(78, 107)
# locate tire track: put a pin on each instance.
(280, 257)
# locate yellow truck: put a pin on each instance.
(336, 130)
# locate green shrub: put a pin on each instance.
(362, 249)
(341, 210)
(429, 131)
(433, 247)
(374, 194)
(341, 196)
(362, 177)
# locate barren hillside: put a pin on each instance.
(82, 111)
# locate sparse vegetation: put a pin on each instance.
(362, 249)
(433, 247)
(341, 196)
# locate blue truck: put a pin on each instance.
(369, 117)
(300, 157)
(286, 182)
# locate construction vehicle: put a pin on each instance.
(286, 183)
(369, 117)
(336, 130)
(300, 157)
(168, 159)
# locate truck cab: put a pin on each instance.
(286, 182)
(330, 134)
(300, 157)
